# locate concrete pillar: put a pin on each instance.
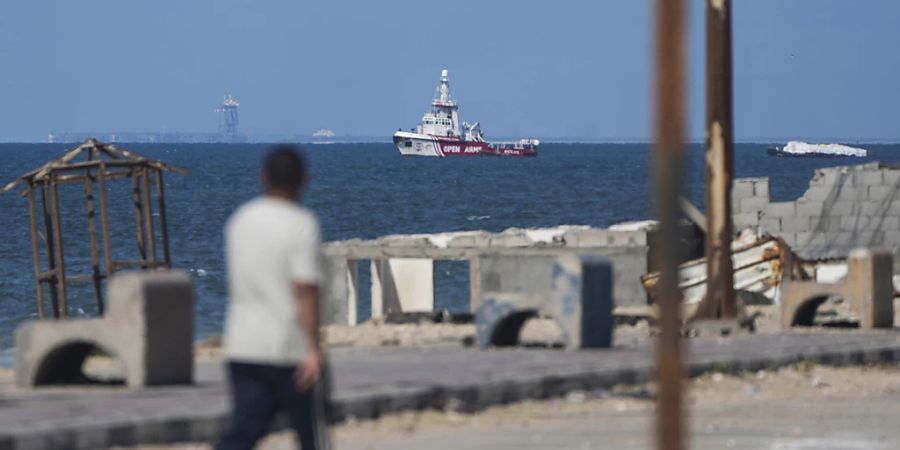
(339, 295)
(402, 285)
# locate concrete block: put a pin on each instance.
(746, 220)
(794, 224)
(753, 204)
(743, 188)
(818, 193)
(825, 223)
(868, 178)
(842, 207)
(891, 177)
(401, 285)
(809, 207)
(780, 209)
(873, 208)
(882, 193)
(854, 193)
(868, 289)
(149, 327)
(854, 223)
(578, 298)
(770, 224)
(761, 188)
(884, 223)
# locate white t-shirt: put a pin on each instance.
(270, 243)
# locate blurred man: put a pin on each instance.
(271, 338)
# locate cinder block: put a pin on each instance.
(743, 188)
(891, 177)
(884, 223)
(825, 223)
(753, 204)
(780, 209)
(771, 224)
(746, 220)
(868, 178)
(819, 193)
(881, 193)
(854, 223)
(854, 193)
(842, 207)
(795, 224)
(761, 188)
(809, 208)
(802, 239)
(873, 208)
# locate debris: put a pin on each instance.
(761, 263)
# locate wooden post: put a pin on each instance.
(163, 225)
(58, 248)
(669, 129)
(51, 250)
(92, 232)
(138, 214)
(104, 222)
(720, 298)
(35, 250)
(148, 216)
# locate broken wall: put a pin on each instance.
(843, 208)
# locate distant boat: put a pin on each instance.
(439, 133)
(801, 149)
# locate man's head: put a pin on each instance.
(284, 173)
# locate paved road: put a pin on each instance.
(369, 383)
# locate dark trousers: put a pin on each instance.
(259, 392)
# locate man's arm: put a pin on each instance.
(307, 298)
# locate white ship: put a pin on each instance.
(439, 133)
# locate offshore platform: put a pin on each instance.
(228, 131)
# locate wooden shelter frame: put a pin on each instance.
(99, 164)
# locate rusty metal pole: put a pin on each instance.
(671, 33)
(720, 298)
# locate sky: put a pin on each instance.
(569, 69)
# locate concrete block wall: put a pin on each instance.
(844, 207)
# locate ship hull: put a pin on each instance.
(415, 144)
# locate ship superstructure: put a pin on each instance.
(440, 134)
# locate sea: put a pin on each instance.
(362, 191)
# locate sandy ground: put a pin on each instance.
(801, 407)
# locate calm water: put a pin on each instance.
(365, 191)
